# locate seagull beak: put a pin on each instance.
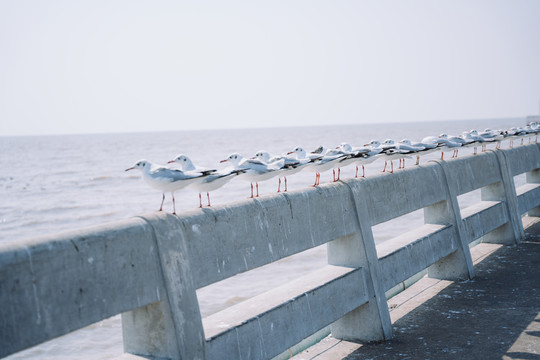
(170, 162)
(222, 161)
(289, 153)
(129, 169)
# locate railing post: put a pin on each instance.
(173, 327)
(370, 321)
(457, 265)
(505, 191)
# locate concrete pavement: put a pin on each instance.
(494, 316)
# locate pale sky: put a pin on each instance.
(122, 66)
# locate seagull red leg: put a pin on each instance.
(208, 196)
(162, 201)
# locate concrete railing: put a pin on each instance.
(148, 268)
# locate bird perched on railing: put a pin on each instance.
(329, 160)
(211, 178)
(290, 165)
(359, 155)
(421, 148)
(254, 170)
(391, 151)
(451, 142)
(165, 179)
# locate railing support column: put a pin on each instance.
(505, 191)
(370, 321)
(457, 265)
(173, 327)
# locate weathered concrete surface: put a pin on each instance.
(496, 315)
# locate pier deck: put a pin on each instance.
(496, 315)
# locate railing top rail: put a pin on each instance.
(50, 288)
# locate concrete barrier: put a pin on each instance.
(148, 268)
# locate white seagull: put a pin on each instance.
(451, 142)
(211, 179)
(165, 179)
(254, 170)
(421, 148)
(391, 152)
(359, 155)
(290, 165)
(314, 161)
(330, 160)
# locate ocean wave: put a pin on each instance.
(102, 178)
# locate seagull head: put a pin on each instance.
(443, 136)
(140, 165)
(184, 162)
(373, 143)
(345, 147)
(234, 159)
(299, 152)
(264, 156)
(406, 141)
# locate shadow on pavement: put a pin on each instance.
(494, 316)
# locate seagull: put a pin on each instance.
(255, 170)
(535, 128)
(474, 134)
(405, 146)
(315, 161)
(211, 179)
(165, 179)
(328, 161)
(451, 142)
(516, 133)
(291, 165)
(388, 148)
(493, 135)
(427, 147)
(470, 141)
(360, 155)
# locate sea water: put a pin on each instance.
(50, 184)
